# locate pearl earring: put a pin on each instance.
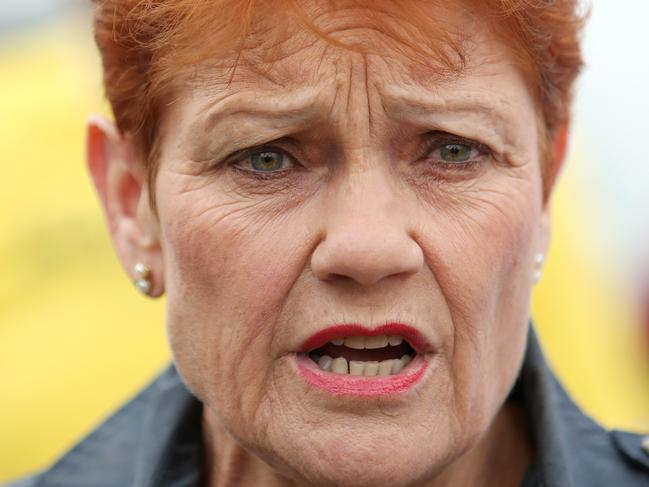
(539, 259)
(142, 280)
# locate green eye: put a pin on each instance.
(268, 161)
(455, 152)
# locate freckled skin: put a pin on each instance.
(362, 228)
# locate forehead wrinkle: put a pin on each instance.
(279, 66)
(298, 105)
(423, 105)
(421, 100)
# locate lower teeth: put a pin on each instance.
(340, 365)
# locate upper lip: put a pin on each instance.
(410, 334)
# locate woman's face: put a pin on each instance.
(333, 188)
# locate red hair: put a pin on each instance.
(146, 45)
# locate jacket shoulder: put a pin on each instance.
(601, 457)
(633, 448)
(573, 450)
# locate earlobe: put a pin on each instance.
(546, 230)
(543, 243)
(120, 180)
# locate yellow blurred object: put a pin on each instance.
(76, 340)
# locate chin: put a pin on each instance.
(377, 455)
(386, 469)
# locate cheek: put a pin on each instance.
(481, 253)
(229, 266)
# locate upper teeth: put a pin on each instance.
(362, 342)
(340, 365)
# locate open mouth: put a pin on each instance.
(352, 359)
(368, 356)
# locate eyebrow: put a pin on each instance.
(298, 107)
(245, 119)
(403, 105)
(444, 112)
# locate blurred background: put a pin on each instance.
(76, 340)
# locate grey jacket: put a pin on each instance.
(155, 441)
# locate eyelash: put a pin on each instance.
(437, 140)
(246, 154)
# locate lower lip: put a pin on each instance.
(345, 384)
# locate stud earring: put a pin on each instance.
(142, 280)
(539, 259)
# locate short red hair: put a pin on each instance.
(145, 44)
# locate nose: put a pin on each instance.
(367, 237)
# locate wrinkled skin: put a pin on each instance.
(365, 224)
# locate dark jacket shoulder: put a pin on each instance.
(571, 448)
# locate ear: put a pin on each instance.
(558, 153)
(120, 180)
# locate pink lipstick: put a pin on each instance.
(352, 359)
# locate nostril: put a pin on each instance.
(336, 277)
(366, 279)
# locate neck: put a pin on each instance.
(499, 459)
(228, 464)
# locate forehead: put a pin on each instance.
(404, 41)
(347, 71)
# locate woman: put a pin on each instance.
(347, 206)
